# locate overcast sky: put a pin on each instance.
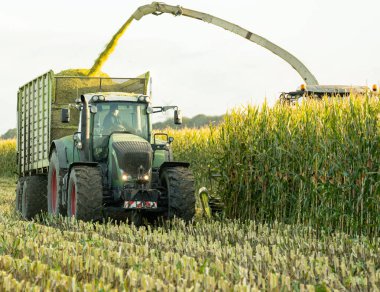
(195, 65)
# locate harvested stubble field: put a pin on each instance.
(301, 188)
(61, 255)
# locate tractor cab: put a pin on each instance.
(108, 114)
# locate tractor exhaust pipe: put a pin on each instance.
(85, 129)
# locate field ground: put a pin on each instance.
(66, 255)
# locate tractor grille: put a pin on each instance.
(134, 155)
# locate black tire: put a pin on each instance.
(85, 193)
(179, 183)
(18, 201)
(33, 196)
(135, 218)
(54, 186)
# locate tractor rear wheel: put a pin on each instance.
(179, 183)
(85, 193)
(54, 188)
(33, 196)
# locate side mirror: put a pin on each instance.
(65, 115)
(149, 110)
(177, 117)
(170, 140)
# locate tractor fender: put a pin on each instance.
(167, 164)
(61, 149)
(79, 163)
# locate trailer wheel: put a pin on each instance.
(85, 193)
(54, 187)
(33, 196)
(179, 183)
(18, 201)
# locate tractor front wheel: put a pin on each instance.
(85, 193)
(179, 183)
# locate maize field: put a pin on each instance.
(316, 163)
(7, 158)
(50, 254)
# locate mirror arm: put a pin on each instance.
(159, 109)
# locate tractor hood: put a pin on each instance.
(130, 159)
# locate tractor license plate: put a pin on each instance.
(140, 205)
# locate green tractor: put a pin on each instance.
(110, 165)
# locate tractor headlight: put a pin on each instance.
(125, 176)
(143, 179)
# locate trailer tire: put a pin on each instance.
(18, 201)
(54, 186)
(179, 183)
(85, 193)
(33, 196)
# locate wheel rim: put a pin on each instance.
(54, 191)
(73, 196)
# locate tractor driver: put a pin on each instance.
(112, 120)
